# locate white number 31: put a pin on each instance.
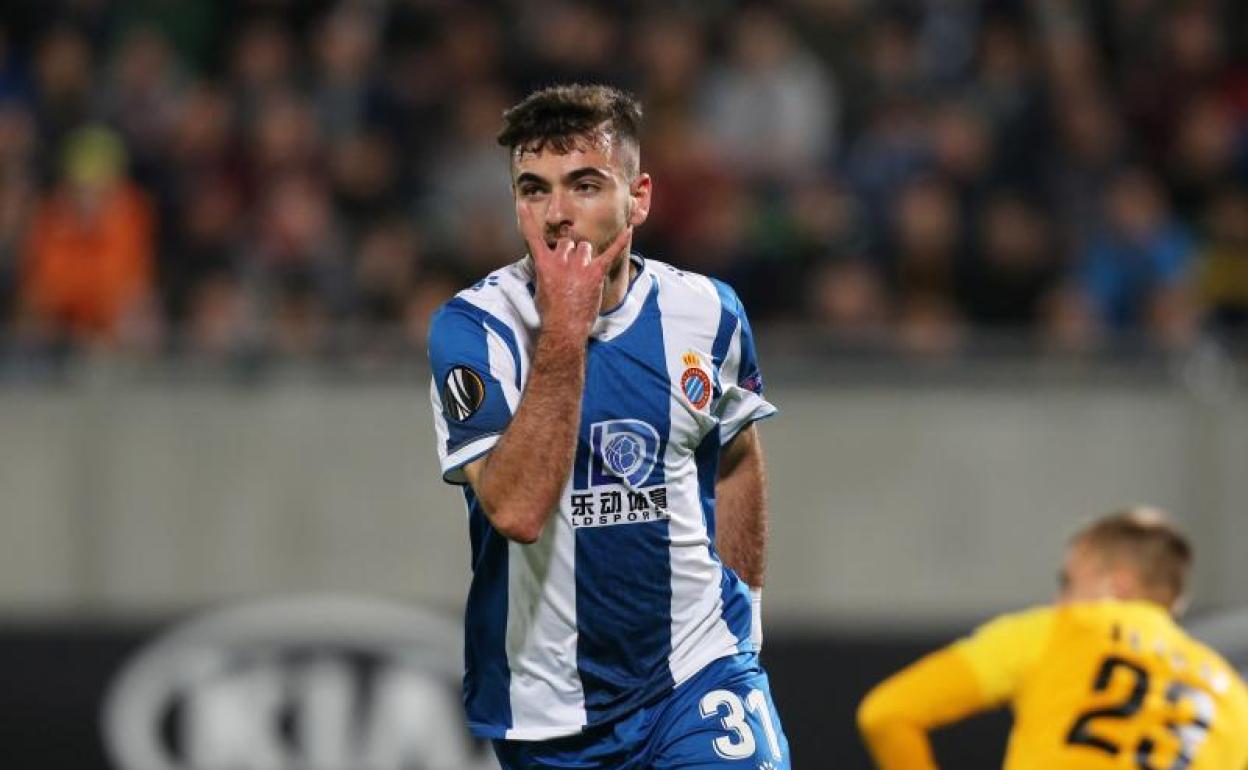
(739, 743)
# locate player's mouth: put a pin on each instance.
(552, 239)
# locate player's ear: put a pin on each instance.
(1178, 607)
(639, 199)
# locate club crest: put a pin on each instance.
(695, 382)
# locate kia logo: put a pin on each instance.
(308, 683)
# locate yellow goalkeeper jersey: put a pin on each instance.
(1093, 686)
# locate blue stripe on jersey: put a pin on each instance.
(487, 680)
(729, 306)
(733, 591)
(623, 573)
(457, 337)
(747, 370)
(504, 331)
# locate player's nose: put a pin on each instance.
(557, 212)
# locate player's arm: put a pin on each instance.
(740, 489)
(741, 507)
(975, 674)
(519, 482)
(896, 716)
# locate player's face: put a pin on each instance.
(587, 194)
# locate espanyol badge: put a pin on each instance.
(695, 382)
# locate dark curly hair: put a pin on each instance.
(560, 116)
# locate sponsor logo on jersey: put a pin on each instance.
(620, 485)
(609, 507)
(695, 382)
(463, 393)
(622, 451)
(304, 683)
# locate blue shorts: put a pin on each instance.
(723, 717)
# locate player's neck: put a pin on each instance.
(618, 281)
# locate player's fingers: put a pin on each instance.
(563, 250)
(531, 229)
(584, 253)
(620, 243)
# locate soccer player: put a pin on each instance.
(1103, 679)
(598, 410)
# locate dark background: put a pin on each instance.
(53, 677)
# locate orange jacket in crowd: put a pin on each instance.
(84, 269)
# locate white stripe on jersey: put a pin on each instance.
(541, 596)
(541, 636)
(699, 633)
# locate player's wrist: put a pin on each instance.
(560, 350)
(563, 336)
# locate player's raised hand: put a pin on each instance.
(570, 276)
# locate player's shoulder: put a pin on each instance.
(1024, 623)
(501, 297)
(696, 287)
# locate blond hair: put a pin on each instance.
(1146, 540)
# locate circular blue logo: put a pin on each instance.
(623, 453)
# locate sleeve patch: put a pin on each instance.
(463, 393)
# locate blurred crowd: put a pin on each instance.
(207, 178)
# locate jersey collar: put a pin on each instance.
(615, 321)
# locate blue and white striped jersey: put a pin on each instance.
(623, 596)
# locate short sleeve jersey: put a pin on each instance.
(1110, 684)
(623, 596)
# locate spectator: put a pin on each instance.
(1223, 265)
(140, 97)
(926, 241)
(1007, 89)
(899, 169)
(15, 85)
(1014, 267)
(568, 41)
(64, 85)
(671, 54)
(1137, 269)
(1205, 154)
(88, 260)
(770, 109)
(848, 300)
(17, 193)
(1091, 148)
(468, 208)
(345, 96)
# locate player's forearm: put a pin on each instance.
(893, 729)
(522, 478)
(899, 746)
(741, 509)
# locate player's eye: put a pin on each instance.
(530, 190)
(587, 188)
